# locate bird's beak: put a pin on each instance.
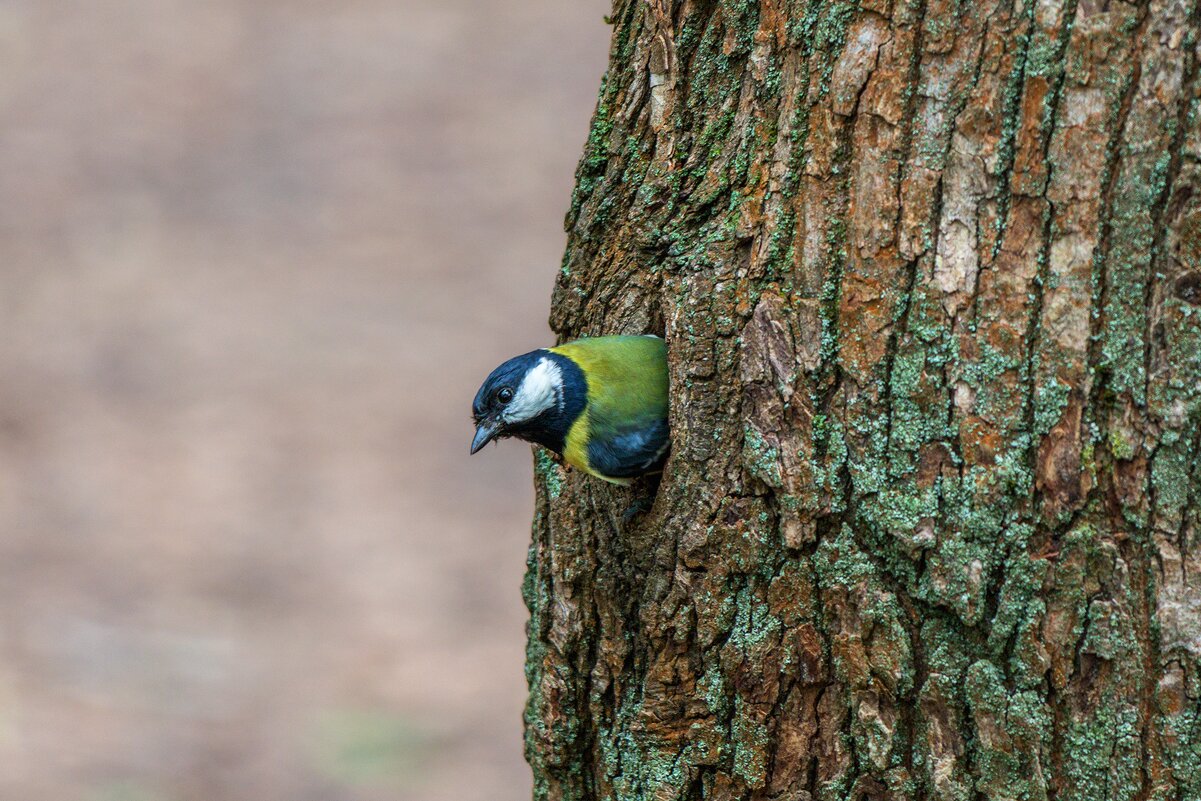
(485, 432)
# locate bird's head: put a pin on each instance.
(524, 398)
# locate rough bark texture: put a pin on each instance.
(930, 276)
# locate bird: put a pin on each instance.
(598, 402)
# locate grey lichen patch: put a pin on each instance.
(752, 745)
(1173, 475)
(1012, 736)
(548, 472)
(761, 459)
(955, 577)
(1103, 756)
(1050, 401)
(1180, 729)
(1017, 599)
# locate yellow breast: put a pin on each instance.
(575, 449)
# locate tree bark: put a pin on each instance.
(930, 277)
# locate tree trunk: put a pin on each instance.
(930, 278)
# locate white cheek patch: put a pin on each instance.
(541, 389)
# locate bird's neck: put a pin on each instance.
(550, 428)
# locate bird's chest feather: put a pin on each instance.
(575, 448)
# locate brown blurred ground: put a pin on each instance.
(255, 256)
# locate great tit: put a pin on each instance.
(600, 403)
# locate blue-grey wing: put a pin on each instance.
(630, 452)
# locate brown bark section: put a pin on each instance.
(930, 276)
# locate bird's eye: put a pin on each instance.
(504, 395)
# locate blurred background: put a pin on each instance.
(255, 258)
